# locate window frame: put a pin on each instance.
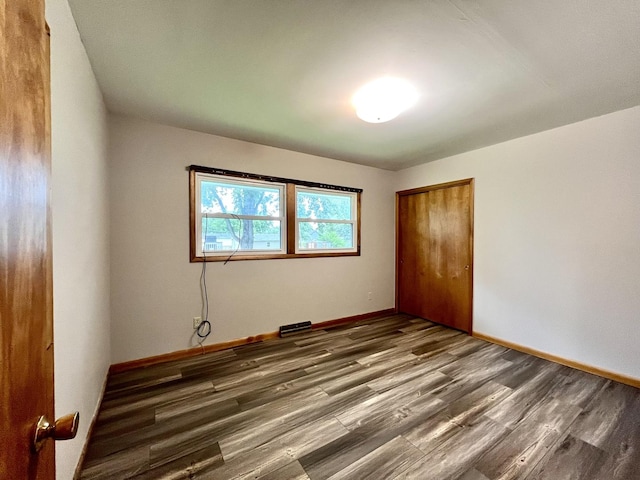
(200, 176)
(353, 222)
(289, 240)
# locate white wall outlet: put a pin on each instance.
(370, 296)
(196, 322)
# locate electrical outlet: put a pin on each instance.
(370, 296)
(196, 322)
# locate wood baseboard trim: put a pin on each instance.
(192, 352)
(352, 319)
(634, 382)
(96, 412)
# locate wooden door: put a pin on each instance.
(26, 336)
(435, 253)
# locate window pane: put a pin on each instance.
(324, 236)
(224, 235)
(324, 206)
(238, 199)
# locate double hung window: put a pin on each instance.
(239, 216)
(242, 216)
(325, 220)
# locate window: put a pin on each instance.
(242, 216)
(326, 221)
(239, 216)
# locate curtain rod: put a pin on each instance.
(268, 178)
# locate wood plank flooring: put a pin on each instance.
(391, 398)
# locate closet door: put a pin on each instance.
(435, 253)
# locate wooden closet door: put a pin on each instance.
(435, 253)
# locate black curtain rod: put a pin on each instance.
(267, 178)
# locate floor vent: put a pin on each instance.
(286, 330)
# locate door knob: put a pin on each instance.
(64, 428)
(466, 267)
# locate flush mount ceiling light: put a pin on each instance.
(384, 99)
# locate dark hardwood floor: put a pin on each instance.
(391, 398)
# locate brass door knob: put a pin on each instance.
(64, 428)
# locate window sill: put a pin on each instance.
(237, 257)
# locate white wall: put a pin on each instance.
(155, 290)
(557, 238)
(80, 232)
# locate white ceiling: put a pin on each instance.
(281, 72)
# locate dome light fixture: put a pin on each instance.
(384, 99)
